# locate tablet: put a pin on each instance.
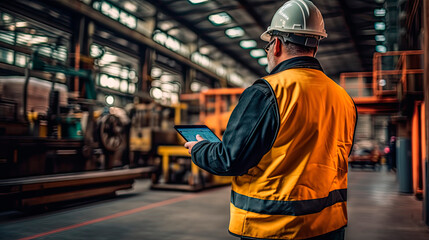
(189, 132)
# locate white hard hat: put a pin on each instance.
(298, 21)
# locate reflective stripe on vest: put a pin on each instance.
(294, 208)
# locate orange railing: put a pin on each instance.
(389, 69)
(357, 84)
(402, 64)
(216, 107)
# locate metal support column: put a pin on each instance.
(426, 92)
(403, 163)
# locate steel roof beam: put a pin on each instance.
(264, 2)
(252, 13)
(85, 10)
(350, 26)
(198, 10)
(204, 37)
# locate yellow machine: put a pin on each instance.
(177, 170)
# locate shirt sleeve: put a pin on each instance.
(250, 134)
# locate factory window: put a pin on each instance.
(19, 38)
(198, 86)
(203, 82)
(118, 72)
(166, 86)
(115, 13)
(167, 80)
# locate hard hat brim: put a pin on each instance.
(266, 36)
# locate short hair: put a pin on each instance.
(296, 49)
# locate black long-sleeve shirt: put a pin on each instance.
(251, 130)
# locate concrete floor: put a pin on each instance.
(376, 211)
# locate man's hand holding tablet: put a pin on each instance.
(190, 145)
(194, 134)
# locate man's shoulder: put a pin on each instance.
(262, 86)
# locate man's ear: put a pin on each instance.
(278, 47)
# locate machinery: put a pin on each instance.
(42, 113)
(54, 147)
(151, 126)
(176, 168)
(57, 145)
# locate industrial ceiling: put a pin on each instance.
(350, 26)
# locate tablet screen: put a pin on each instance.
(189, 133)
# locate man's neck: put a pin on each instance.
(286, 56)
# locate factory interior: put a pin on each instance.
(91, 92)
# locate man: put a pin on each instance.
(288, 139)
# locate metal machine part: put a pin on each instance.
(112, 133)
(38, 99)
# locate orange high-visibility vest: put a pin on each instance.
(299, 188)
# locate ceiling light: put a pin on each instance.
(173, 32)
(110, 10)
(123, 86)
(257, 53)
(204, 50)
(380, 38)
(156, 93)
(21, 24)
(132, 75)
(195, 87)
(234, 32)
(6, 17)
(103, 80)
(381, 48)
(96, 51)
(380, 12)
(197, 1)
(110, 99)
(124, 74)
(166, 78)
(165, 26)
(108, 58)
(38, 40)
(236, 79)
(381, 26)
(167, 87)
(263, 61)
(130, 6)
(156, 72)
(113, 83)
(131, 88)
(246, 44)
(221, 18)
